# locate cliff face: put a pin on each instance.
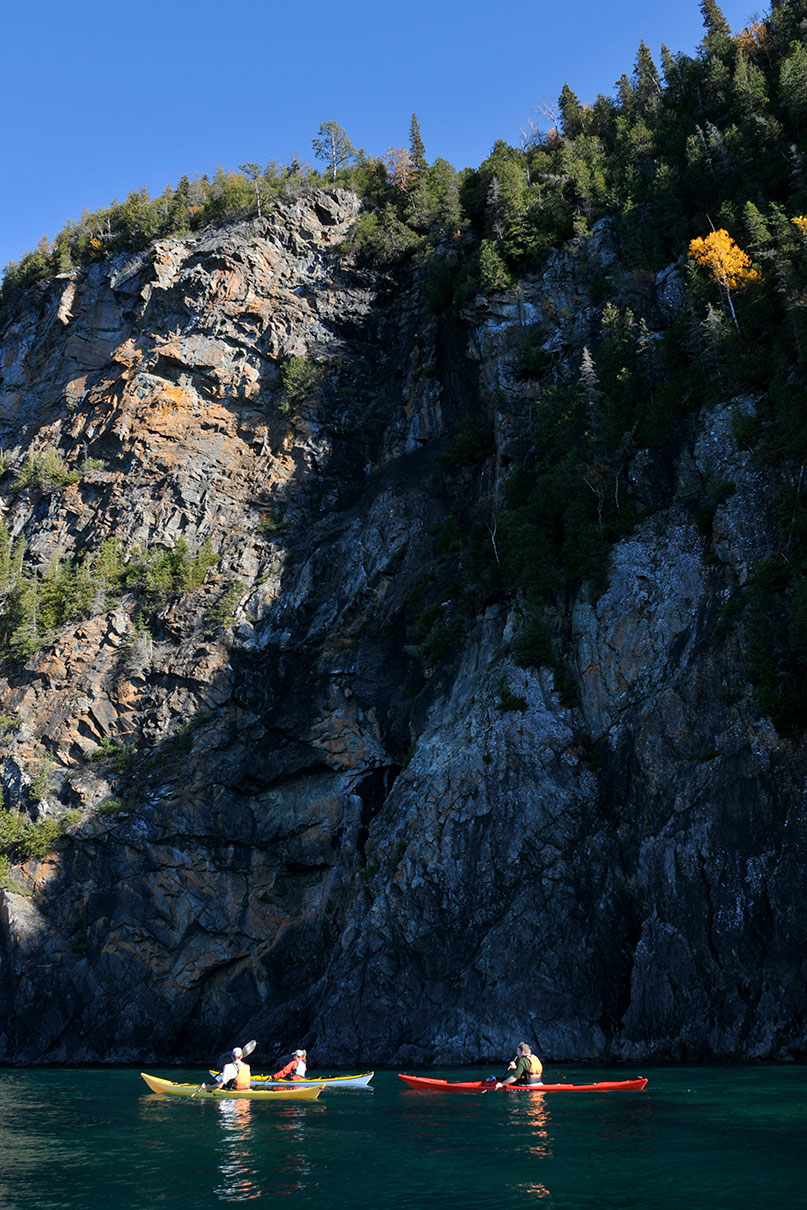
(324, 836)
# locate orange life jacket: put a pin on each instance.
(536, 1068)
(244, 1077)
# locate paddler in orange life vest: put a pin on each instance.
(295, 1070)
(525, 1068)
(235, 1074)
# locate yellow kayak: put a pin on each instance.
(173, 1089)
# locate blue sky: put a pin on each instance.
(101, 97)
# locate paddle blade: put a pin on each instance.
(226, 1056)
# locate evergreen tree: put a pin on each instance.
(108, 563)
(591, 395)
(626, 94)
(793, 87)
(748, 84)
(416, 148)
(672, 71)
(713, 19)
(572, 114)
(19, 621)
(61, 256)
(492, 269)
(759, 236)
(443, 195)
(647, 82)
(716, 334)
(785, 25)
(5, 556)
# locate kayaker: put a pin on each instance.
(295, 1070)
(525, 1068)
(235, 1074)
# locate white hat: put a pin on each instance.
(299, 1052)
(237, 1052)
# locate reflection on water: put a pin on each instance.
(538, 1192)
(239, 1176)
(536, 1113)
(296, 1165)
(724, 1138)
(535, 1123)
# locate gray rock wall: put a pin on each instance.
(323, 838)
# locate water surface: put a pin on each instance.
(722, 1138)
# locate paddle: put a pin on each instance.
(492, 1079)
(245, 1050)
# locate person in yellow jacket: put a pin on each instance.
(525, 1068)
(235, 1074)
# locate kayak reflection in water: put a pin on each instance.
(525, 1068)
(239, 1175)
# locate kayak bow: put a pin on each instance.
(430, 1085)
(173, 1089)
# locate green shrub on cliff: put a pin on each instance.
(9, 725)
(222, 613)
(300, 379)
(46, 471)
(114, 756)
(35, 606)
(111, 806)
(13, 825)
(383, 237)
(40, 774)
(21, 839)
(19, 629)
(493, 272)
(11, 558)
(160, 572)
(66, 593)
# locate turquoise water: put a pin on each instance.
(701, 1137)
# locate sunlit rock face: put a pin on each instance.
(317, 832)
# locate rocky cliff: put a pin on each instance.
(288, 818)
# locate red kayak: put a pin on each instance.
(429, 1085)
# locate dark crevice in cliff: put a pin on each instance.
(373, 790)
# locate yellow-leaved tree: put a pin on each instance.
(728, 264)
(400, 166)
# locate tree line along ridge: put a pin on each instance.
(696, 163)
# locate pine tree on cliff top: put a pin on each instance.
(416, 147)
(713, 19)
